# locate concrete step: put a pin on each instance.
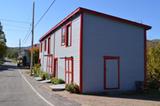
(38, 78)
(46, 81)
(58, 87)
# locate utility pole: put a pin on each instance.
(19, 47)
(32, 40)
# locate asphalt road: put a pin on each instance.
(14, 91)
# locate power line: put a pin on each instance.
(14, 21)
(27, 35)
(15, 25)
(45, 13)
(40, 19)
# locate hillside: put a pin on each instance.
(153, 43)
(12, 52)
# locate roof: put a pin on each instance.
(84, 10)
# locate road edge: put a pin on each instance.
(37, 93)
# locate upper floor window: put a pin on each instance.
(63, 36)
(49, 40)
(66, 36)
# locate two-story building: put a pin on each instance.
(97, 51)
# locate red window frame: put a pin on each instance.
(66, 39)
(49, 40)
(45, 45)
(63, 34)
(69, 69)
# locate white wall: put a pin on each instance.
(105, 37)
(61, 51)
(43, 57)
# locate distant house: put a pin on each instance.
(99, 52)
(25, 55)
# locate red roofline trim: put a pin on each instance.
(79, 10)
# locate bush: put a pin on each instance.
(72, 88)
(154, 84)
(36, 70)
(57, 81)
(44, 75)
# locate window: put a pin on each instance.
(45, 44)
(63, 36)
(49, 45)
(66, 35)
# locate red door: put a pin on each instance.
(69, 70)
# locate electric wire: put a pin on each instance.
(40, 19)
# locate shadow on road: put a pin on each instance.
(7, 67)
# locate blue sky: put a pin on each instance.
(143, 11)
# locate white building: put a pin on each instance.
(97, 51)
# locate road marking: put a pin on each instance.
(49, 103)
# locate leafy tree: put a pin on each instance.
(35, 55)
(153, 65)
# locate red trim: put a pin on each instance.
(145, 56)
(111, 58)
(65, 69)
(49, 40)
(78, 10)
(69, 69)
(81, 53)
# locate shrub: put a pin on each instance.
(44, 75)
(153, 84)
(57, 81)
(36, 70)
(72, 88)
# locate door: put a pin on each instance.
(111, 72)
(69, 70)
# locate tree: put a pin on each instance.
(2, 43)
(153, 65)
(35, 54)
